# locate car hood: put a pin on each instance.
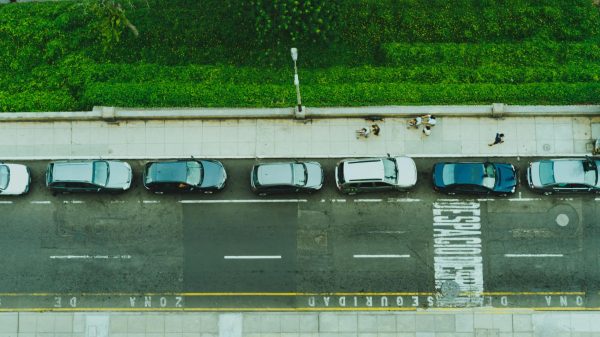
(407, 172)
(507, 178)
(19, 180)
(533, 174)
(119, 175)
(214, 174)
(315, 175)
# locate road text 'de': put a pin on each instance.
(457, 252)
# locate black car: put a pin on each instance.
(475, 178)
(184, 176)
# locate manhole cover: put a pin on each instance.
(562, 219)
(450, 289)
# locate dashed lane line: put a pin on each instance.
(380, 256)
(533, 255)
(73, 201)
(41, 202)
(5, 202)
(524, 199)
(368, 200)
(252, 257)
(240, 201)
(151, 201)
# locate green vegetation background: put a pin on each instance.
(53, 56)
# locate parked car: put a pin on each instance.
(475, 178)
(184, 176)
(286, 177)
(88, 176)
(14, 179)
(564, 175)
(375, 174)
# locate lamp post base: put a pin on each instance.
(299, 112)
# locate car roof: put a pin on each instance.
(274, 173)
(468, 173)
(170, 171)
(73, 171)
(364, 169)
(569, 171)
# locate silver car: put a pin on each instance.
(564, 175)
(88, 176)
(286, 177)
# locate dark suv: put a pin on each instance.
(184, 176)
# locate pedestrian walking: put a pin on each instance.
(364, 132)
(499, 139)
(429, 120)
(375, 128)
(427, 130)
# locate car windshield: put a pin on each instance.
(194, 173)
(4, 176)
(489, 176)
(547, 172)
(448, 174)
(590, 172)
(390, 170)
(299, 174)
(100, 176)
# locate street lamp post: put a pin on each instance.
(294, 52)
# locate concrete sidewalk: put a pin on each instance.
(319, 138)
(432, 323)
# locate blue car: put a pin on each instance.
(475, 178)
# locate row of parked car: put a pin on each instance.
(351, 176)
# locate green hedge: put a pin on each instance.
(37, 101)
(511, 54)
(184, 95)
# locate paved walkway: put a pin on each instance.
(318, 138)
(460, 323)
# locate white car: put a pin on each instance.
(14, 179)
(375, 174)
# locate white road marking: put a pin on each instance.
(5, 202)
(457, 260)
(380, 256)
(533, 255)
(566, 199)
(45, 202)
(386, 232)
(89, 257)
(251, 257)
(486, 199)
(524, 199)
(73, 201)
(151, 201)
(368, 200)
(597, 199)
(117, 201)
(403, 200)
(338, 200)
(240, 201)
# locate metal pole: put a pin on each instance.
(297, 84)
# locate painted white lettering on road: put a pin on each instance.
(457, 251)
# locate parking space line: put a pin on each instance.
(403, 200)
(368, 200)
(380, 256)
(239, 201)
(251, 257)
(5, 202)
(151, 201)
(524, 199)
(89, 257)
(533, 255)
(41, 202)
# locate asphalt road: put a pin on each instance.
(326, 250)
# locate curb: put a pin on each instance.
(496, 110)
